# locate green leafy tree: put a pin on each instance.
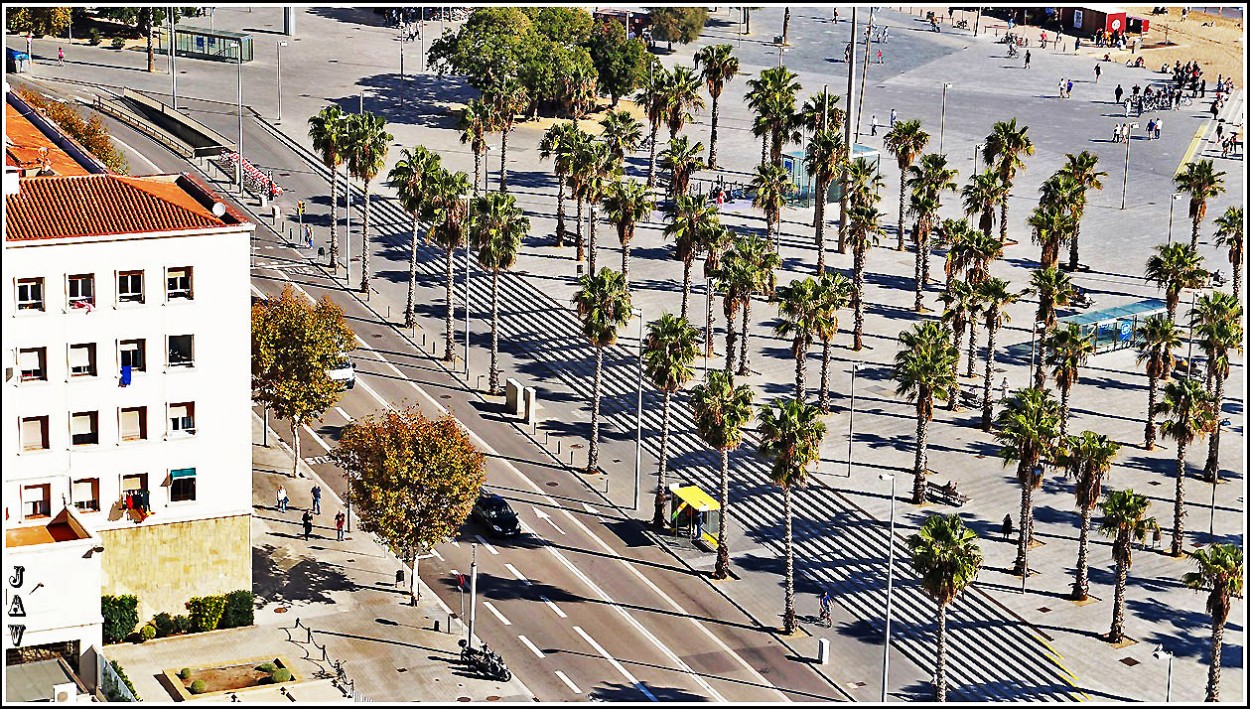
(1005, 149)
(691, 221)
(143, 20)
(823, 158)
(681, 99)
(620, 62)
(294, 342)
(1222, 573)
(1174, 268)
(413, 480)
(1124, 522)
(947, 557)
(835, 294)
(1190, 414)
(492, 44)
(604, 305)
(627, 203)
(367, 145)
(653, 98)
(1053, 288)
(717, 66)
(1230, 233)
(1220, 333)
(924, 369)
(1087, 457)
(1157, 337)
(761, 263)
(721, 413)
(790, 435)
(1028, 428)
(962, 307)
(622, 132)
(565, 25)
(677, 24)
(497, 228)
(91, 133)
(1202, 182)
(668, 353)
(772, 97)
(447, 211)
(411, 179)
(1083, 168)
(1067, 350)
(995, 295)
(1052, 228)
(801, 313)
(328, 132)
(907, 141)
(39, 21)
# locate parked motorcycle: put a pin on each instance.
(485, 662)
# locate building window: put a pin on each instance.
(182, 418)
(37, 500)
(82, 360)
(135, 482)
(30, 294)
(130, 286)
(81, 291)
(87, 494)
(35, 433)
(133, 425)
(84, 428)
(33, 364)
(132, 354)
(182, 485)
(178, 283)
(181, 350)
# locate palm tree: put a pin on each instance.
(1028, 426)
(980, 250)
(717, 66)
(507, 98)
(1052, 228)
(604, 305)
(995, 295)
(592, 170)
(328, 132)
(1087, 457)
(947, 557)
(823, 158)
(801, 312)
(1174, 268)
(734, 278)
(669, 351)
(820, 113)
(924, 369)
(962, 307)
(956, 235)
(924, 206)
(682, 99)
(790, 436)
(721, 413)
(1220, 333)
(497, 229)
(1221, 572)
(982, 194)
(906, 140)
(653, 98)
(1053, 288)
(447, 211)
(760, 269)
(559, 143)
(861, 184)
(1202, 183)
(578, 88)
(681, 160)
(691, 219)
(1191, 415)
(627, 203)
(835, 293)
(622, 132)
(367, 144)
(1083, 168)
(1067, 350)
(928, 181)
(1231, 234)
(411, 178)
(1124, 520)
(772, 97)
(1157, 337)
(771, 184)
(1005, 149)
(476, 120)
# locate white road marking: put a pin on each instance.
(125, 145)
(437, 555)
(343, 413)
(533, 648)
(553, 607)
(491, 607)
(516, 573)
(564, 678)
(618, 666)
(590, 509)
(485, 544)
(315, 437)
(543, 515)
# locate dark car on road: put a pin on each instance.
(494, 513)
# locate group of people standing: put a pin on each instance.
(283, 501)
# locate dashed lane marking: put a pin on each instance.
(517, 574)
(526, 642)
(491, 607)
(486, 545)
(618, 666)
(553, 607)
(568, 682)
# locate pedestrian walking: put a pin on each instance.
(338, 524)
(60, 56)
(307, 520)
(1219, 131)
(1007, 527)
(1150, 129)
(1097, 72)
(1005, 388)
(1202, 89)
(893, 116)
(316, 498)
(1156, 540)
(282, 498)
(1068, 92)
(1028, 57)
(1119, 93)
(308, 240)
(1062, 84)
(880, 57)
(835, 16)
(1158, 128)
(1115, 133)
(874, 124)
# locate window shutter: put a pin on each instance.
(28, 360)
(80, 424)
(35, 493)
(132, 482)
(79, 356)
(32, 432)
(83, 490)
(130, 424)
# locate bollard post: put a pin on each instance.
(822, 651)
(309, 633)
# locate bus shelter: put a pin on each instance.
(204, 43)
(693, 514)
(1115, 328)
(803, 194)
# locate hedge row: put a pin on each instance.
(204, 613)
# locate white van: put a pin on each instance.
(343, 371)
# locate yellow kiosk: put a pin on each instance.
(693, 514)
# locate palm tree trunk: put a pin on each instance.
(800, 375)
(922, 458)
(711, 151)
(592, 462)
(1213, 671)
(940, 670)
(731, 334)
(1178, 511)
(334, 220)
(477, 171)
(1002, 223)
(685, 288)
(1193, 236)
(987, 404)
(625, 263)
(409, 314)
(902, 191)
(1074, 249)
(593, 245)
(764, 151)
(821, 189)
(1026, 527)
(655, 131)
(972, 349)
(503, 160)
(1064, 391)
(953, 402)
(722, 544)
(560, 181)
(581, 244)
(364, 246)
(151, 28)
(1116, 634)
(1150, 413)
(786, 510)
(744, 364)
(296, 445)
(919, 275)
(823, 399)
(1237, 280)
(858, 298)
(450, 342)
(660, 488)
(1080, 588)
(1213, 452)
(923, 246)
(494, 331)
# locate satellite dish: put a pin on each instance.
(219, 209)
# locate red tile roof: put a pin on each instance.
(100, 205)
(26, 147)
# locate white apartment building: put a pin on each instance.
(126, 445)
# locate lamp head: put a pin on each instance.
(884, 477)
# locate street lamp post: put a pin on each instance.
(889, 593)
(173, 57)
(238, 167)
(707, 327)
(467, 250)
(472, 595)
(1033, 363)
(942, 131)
(1128, 138)
(976, 154)
(1189, 358)
(281, 44)
(638, 435)
(1160, 654)
(850, 421)
(1171, 212)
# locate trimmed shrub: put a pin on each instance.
(118, 43)
(184, 673)
(93, 36)
(147, 632)
(164, 623)
(125, 680)
(206, 612)
(282, 675)
(267, 667)
(182, 624)
(121, 616)
(240, 610)
(198, 686)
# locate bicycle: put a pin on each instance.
(1012, 52)
(826, 619)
